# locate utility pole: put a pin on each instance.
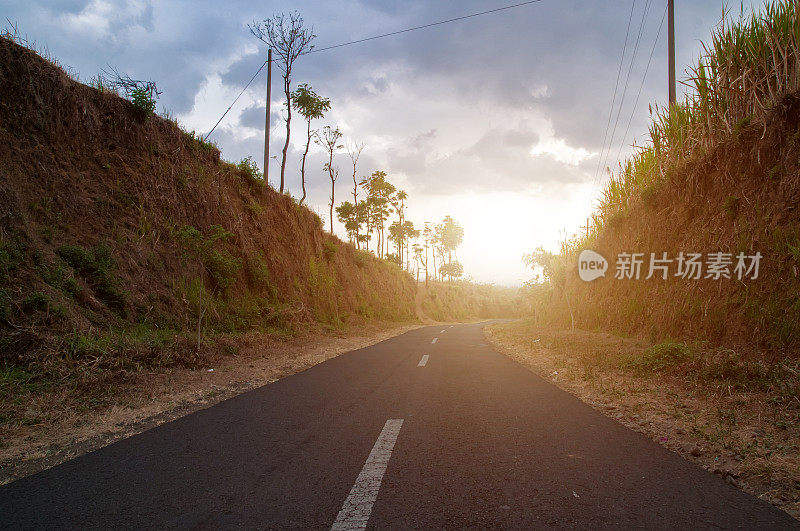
(266, 128)
(671, 48)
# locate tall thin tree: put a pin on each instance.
(354, 150)
(311, 106)
(329, 138)
(287, 35)
(399, 204)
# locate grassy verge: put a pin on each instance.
(736, 414)
(84, 399)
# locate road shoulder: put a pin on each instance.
(742, 436)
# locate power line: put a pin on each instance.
(636, 101)
(424, 26)
(372, 39)
(236, 99)
(613, 99)
(627, 79)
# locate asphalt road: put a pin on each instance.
(386, 438)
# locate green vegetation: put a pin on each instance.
(35, 302)
(713, 165)
(311, 106)
(113, 342)
(142, 98)
(748, 66)
(97, 268)
(259, 274)
(323, 286)
(59, 277)
(11, 255)
(659, 357)
(248, 169)
(220, 264)
(329, 249)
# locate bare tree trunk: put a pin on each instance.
(303, 165)
(333, 182)
(355, 152)
(286, 91)
(426, 266)
(355, 205)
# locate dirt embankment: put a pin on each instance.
(124, 240)
(739, 196)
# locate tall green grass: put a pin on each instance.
(750, 63)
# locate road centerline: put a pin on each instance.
(435, 339)
(423, 361)
(358, 505)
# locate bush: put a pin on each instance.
(97, 267)
(362, 257)
(259, 274)
(143, 100)
(11, 255)
(35, 302)
(59, 277)
(329, 250)
(248, 170)
(220, 264)
(254, 207)
(143, 94)
(659, 357)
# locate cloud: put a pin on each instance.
(103, 19)
(513, 102)
(253, 116)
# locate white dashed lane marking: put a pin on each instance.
(435, 339)
(358, 505)
(423, 361)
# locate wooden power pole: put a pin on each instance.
(266, 128)
(671, 48)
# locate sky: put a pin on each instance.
(497, 120)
